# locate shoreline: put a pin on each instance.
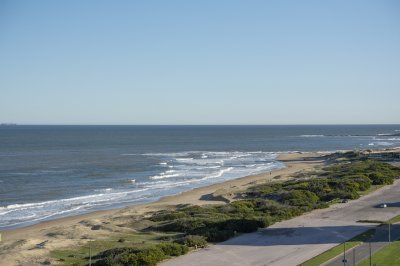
(281, 157)
(74, 229)
(111, 204)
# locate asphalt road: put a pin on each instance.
(294, 241)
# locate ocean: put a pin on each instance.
(47, 172)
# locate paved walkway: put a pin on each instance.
(360, 253)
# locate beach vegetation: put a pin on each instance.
(140, 256)
(193, 241)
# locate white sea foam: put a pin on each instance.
(381, 143)
(103, 190)
(384, 143)
(219, 173)
(163, 175)
(312, 136)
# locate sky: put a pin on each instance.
(199, 62)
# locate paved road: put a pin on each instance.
(360, 253)
(297, 240)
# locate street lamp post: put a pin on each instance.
(90, 253)
(370, 254)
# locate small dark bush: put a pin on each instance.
(193, 241)
(216, 235)
(242, 225)
(173, 249)
(140, 257)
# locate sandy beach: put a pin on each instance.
(20, 246)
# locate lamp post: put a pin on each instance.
(370, 254)
(90, 253)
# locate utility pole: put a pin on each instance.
(344, 254)
(389, 233)
(370, 254)
(90, 253)
(354, 256)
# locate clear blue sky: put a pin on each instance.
(199, 62)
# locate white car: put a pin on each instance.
(383, 205)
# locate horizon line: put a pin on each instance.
(288, 124)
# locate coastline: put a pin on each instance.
(74, 230)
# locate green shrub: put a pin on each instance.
(150, 256)
(173, 249)
(140, 257)
(299, 198)
(265, 221)
(217, 235)
(380, 179)
(242, 225)
(193, 241)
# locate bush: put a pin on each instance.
(193, 241)
(265, 221)
(299, 198)
(217, 235)
(242, 225)
(380, 179)
(364, 183)
(173, 249)
(130, 259)
(167, 215)
(185, 226)
(140, 257)
(150, 256)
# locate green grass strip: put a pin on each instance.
(388, 255)
(337, 250)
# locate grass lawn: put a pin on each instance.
(79, 256)
(335, 251)
(387, 256)
(394, 220)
